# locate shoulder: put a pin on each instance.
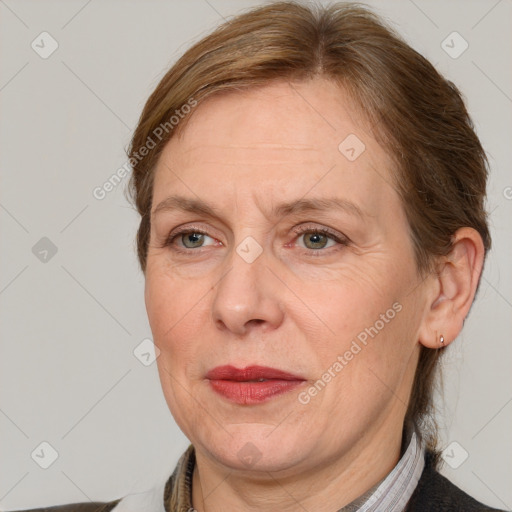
(435, 493)
(151, 500)
(78, 507)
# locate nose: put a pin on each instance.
(247, 297)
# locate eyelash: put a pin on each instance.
(341, 240)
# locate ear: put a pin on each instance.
(453, 289)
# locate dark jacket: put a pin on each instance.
(434, 493)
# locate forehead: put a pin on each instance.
(305, 117)
(282, 136)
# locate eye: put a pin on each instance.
(315, 239)
(191, 239)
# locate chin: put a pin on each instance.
(257, 447)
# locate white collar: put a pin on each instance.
(148, 501)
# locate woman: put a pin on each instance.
(312, 236)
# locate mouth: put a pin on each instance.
(251, 385)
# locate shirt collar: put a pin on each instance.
(397, 488)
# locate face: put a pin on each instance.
(281, 285)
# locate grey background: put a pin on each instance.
(69, 326)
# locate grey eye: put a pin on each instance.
(315, 240)
(191, 240)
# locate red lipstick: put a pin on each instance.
(251, 385)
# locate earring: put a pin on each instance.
(441, 339)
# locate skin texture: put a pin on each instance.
(294, 308)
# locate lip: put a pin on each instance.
(243, 385)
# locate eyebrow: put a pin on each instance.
(191, 205)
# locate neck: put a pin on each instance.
(336, 483)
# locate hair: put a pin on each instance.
(419, 118)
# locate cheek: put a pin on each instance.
(173, 306)
(350, 298)
(165, 292)
(366, 316)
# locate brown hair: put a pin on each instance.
(417, 115)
